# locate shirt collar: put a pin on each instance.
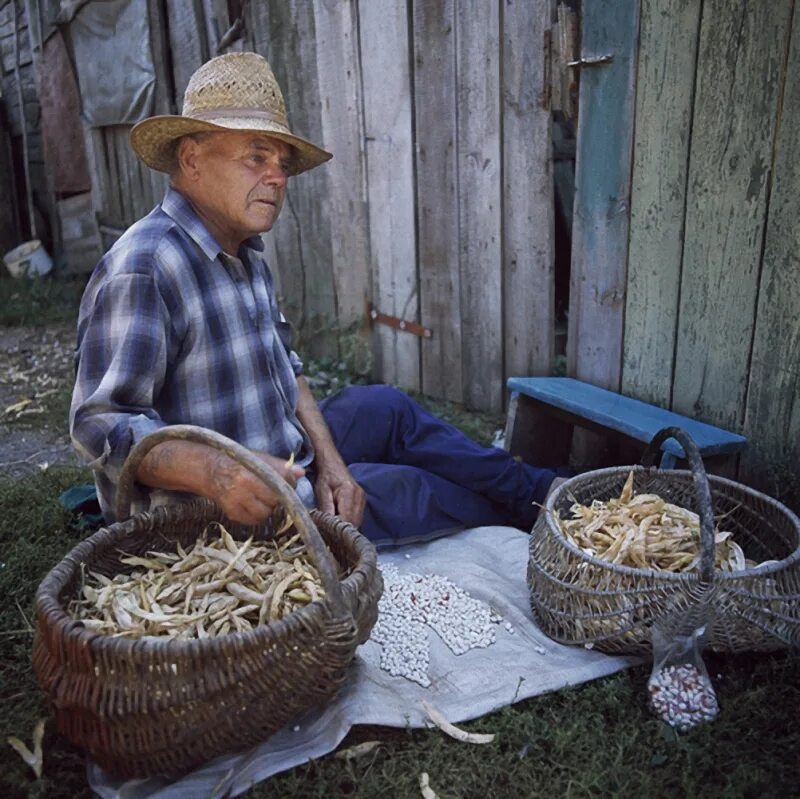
(180, 210)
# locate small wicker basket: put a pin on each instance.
(579, 599)
(152, 706)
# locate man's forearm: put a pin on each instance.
(325, 452)
(202, 470)
(179, 466)
(335, 489)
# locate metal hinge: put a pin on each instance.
(400, 324)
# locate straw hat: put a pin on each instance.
(236, 91)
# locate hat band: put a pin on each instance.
(237, 113)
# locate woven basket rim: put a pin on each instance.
(659, 574)
(47, 599)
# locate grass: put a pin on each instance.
(40, 301)
(34, 535)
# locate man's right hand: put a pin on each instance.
(243, 496)
(198, 469)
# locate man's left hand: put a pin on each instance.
(339, 494)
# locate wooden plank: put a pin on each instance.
(7, 47)
(141, 188)
(742, 51)
(163, 96)
(602, 186)
(98, 172)
(568, 38)
(80, 236)
(637, 420)
(339, 75)
(772, 418)
(437, 202)
(664, 95)
(528, 215)
(390, 185)
(479, 202)
(215, 15)
(158, 186)
(556, 68)
(271, 257)
(534, 434)
(10, 227)
(188, 50)
(285, 34)
(125, 175)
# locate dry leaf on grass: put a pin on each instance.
(34, 759)
(425, 787)
(454, 732)
(357, 750)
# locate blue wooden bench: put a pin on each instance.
(543, 411)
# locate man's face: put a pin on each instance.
(238, 181)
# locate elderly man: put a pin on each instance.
(179, 324)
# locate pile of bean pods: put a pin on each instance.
(645, 531)
(217, 585)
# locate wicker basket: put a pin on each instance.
(580, 599)
(164, 706)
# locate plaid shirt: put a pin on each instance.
(173, 331)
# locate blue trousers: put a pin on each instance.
(422, 476)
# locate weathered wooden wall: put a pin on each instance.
(437, 208)
(711, 325)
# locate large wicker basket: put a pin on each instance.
(153, 706)
(580, 599)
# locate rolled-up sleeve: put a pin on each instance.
(123, 340)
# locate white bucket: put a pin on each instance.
(28, 259)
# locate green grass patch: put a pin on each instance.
(35, 533)
(40, 301)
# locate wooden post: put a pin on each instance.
(479, 202)
(664, 98)
(602, 202)
(602, 186)
(285, 33)
(24, 125)
(437, 201)
(339, 75)
(390, 185)
(772, 420)
(740, 61)
(527, 218)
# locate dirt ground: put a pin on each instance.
(36, 375)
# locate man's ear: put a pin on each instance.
(188, 152)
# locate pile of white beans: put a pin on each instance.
(682, 696)
(412, 603)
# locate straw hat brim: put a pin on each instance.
(153, 139)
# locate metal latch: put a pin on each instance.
(592, 61)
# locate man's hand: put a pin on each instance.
(339, 494)
(289, 473)
(199, 469)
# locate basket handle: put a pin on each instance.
(701, 487)
(287, 497)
